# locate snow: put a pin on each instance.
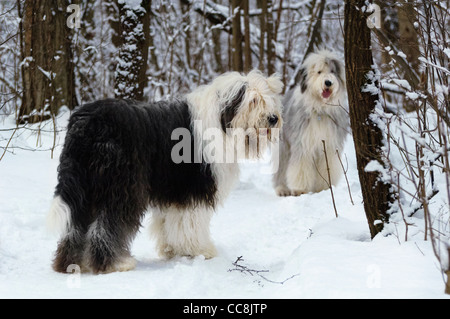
(447, 52)
(305, 251)
(133, 4)
(47, 74)
(402, 83)
(402, 55)
(412, 95)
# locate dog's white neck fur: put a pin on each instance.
(204, 107)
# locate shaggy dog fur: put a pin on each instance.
(314, 112)
(118, 160)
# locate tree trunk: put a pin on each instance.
(389, 27)
(266, 44)
(217, 47)
(270, 38)
(48, 70)
(134, 32)
(367, 136)
(247, 47)
(409, 41)
(262, 4)
(398, 27)
(237, 36)
(447, 285)
(86, 59)
(185, 8)
(315, 37)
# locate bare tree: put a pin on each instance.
(413, 68)
(367, 136)
(247, 41)
(237, 36)
(266, 44)
(398, 18)
(131, 69)
(314, 35)
(315, 28)
(47, 68)
(270, 38)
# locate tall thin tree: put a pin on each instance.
(270, 38)
(247, 46)
(368, 137)
(236, 50)
(47, 68)
(134, 35)
(266, 42)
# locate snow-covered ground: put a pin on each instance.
(303, 250)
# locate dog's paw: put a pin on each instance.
(125, 264)
(283, 191)
(297, 192)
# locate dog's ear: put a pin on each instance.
(338, 70)
(231, 107)
(275, 84)
(302, 79)
(335, 66)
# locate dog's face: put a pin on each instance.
(322, 76)
(252, 106)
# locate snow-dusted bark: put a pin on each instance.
(47, 63)
(130, 75)
(364, 98)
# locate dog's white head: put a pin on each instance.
(323, 77)
(253, 109)
(244, 107)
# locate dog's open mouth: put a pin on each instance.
(326, 93)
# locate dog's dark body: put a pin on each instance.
(115, 163)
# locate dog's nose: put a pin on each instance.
(328, 83)
(273, 120)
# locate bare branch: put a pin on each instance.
(251, 272)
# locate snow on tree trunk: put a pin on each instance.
(130, 75)
(367, 136)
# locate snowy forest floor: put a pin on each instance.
(300, 247)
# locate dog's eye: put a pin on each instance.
(319, 72)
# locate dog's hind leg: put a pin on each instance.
(118, 202)
(117, 209)
(71, 245)
(70, 251)
(107, 247)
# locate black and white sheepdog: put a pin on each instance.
(314, 111)
(123, 157)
